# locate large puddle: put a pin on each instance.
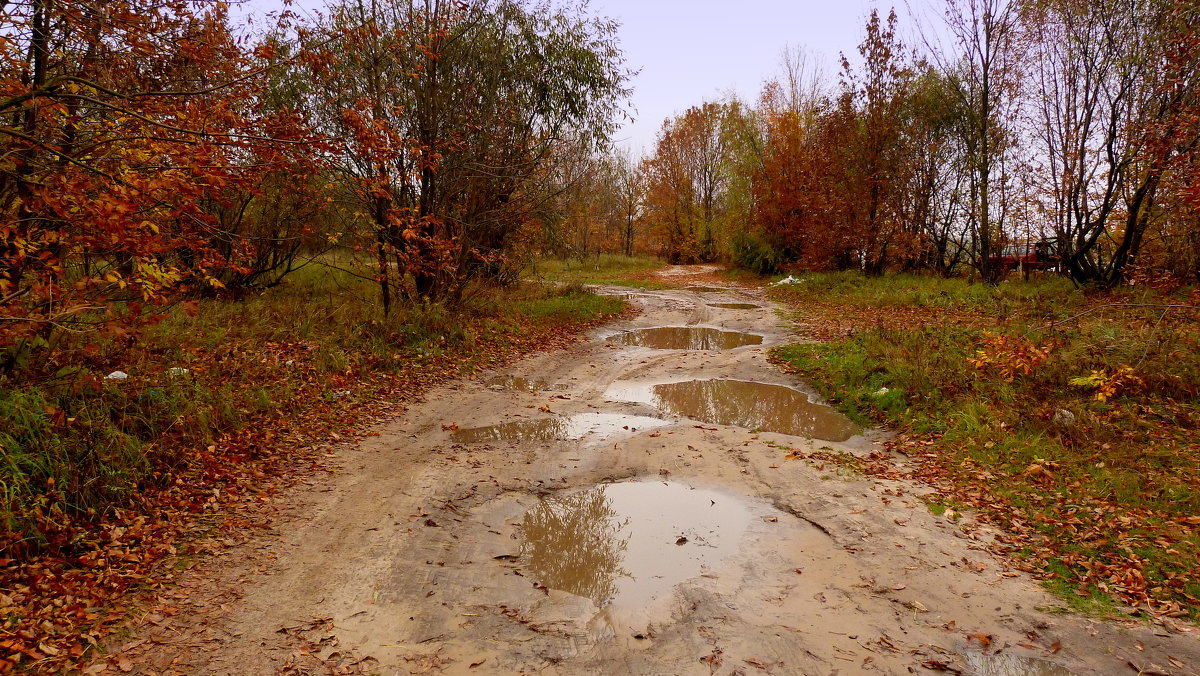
(1009, 664)
(599, 425)
(756, 406)
(628, 544)
(523, 384)
(686, 338)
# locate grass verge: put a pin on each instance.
(1070, 420)
(102, 477)
(603, 269)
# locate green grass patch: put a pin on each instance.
(573, 305)
(602, 269)
(1072, 420)
(1048, 295)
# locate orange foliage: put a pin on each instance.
(127, 125)
(685, 182)
(1008, 356)
(798, 209)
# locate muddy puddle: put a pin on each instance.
(705, 289)
(756, 406)
(735, 306)
(1009, 664)
(627, 545)
(523, 384)
(686, 338)
(594, 425)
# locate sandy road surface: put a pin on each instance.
(651, 544)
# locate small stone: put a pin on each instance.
(1063, 418)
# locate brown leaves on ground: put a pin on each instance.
(1059, 520)
(59, 606)
(826, 320)
(1109, 532)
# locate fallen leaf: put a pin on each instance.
(984, 639)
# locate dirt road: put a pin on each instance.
(587, 512)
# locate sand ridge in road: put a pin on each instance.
(412, 559)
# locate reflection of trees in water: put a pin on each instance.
(755, 405)
(573, 542)
(686, 338)
(546, 429)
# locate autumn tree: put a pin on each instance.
(686, 183)
(1106, 104)
(985, 74)
(799, 207)
(1177, 242)
(933, 196)
(630, 196)
(447, 113)
(125, 124)
(877, 160)
(586, 214)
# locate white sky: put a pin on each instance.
(690, 51)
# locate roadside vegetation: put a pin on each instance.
(1071, 420)
(611, 269)
(106, 477)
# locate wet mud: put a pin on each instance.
(1011, 664)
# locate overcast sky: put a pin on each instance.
(690, 51)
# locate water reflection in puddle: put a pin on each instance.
(735, 306)
(686, 338)
(1009, 664)
(600, 425)
(757, 406)
(525, 384)
(628, 544)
